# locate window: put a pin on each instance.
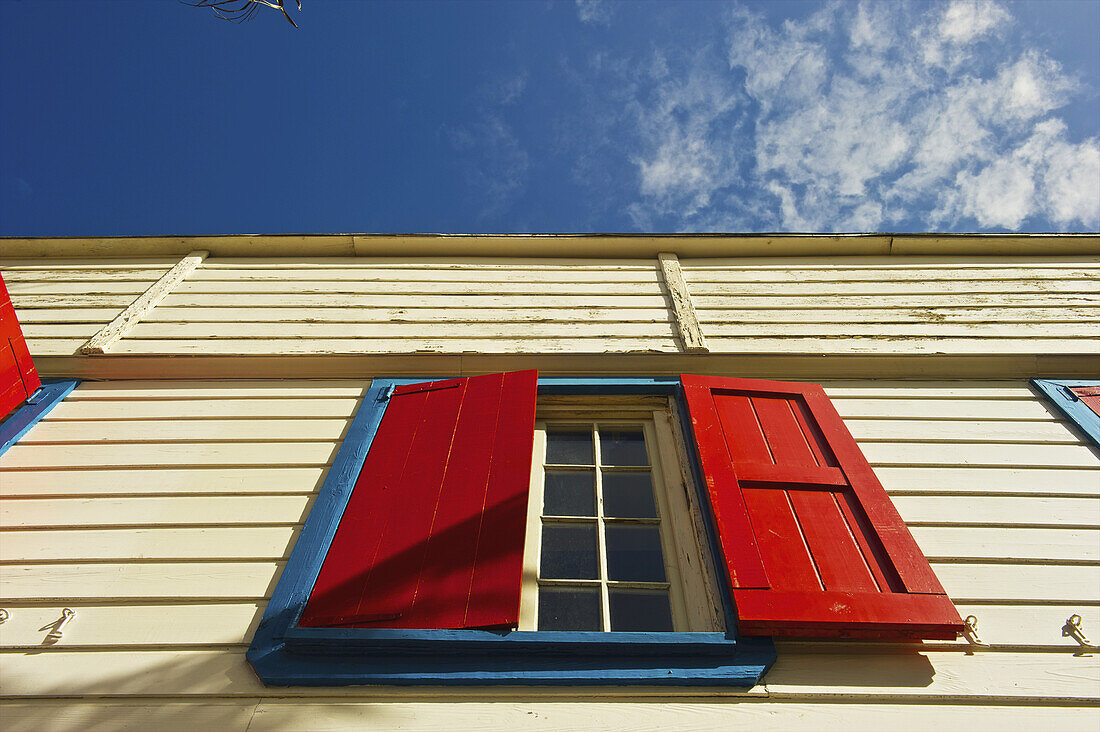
(1078, 400)
(411, 564)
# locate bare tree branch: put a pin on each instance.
(238, 11)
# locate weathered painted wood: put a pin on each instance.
(490, 298)
(206, 430)
(1084, 286)
(123, 544)
(128, 318)
(167, 454)
(804, 301)
(160, 481)
(411, 331)
(85, 274)
(981, 454)
(133, 624)
(213, 510)
(866, 274)
(989, 481)
(905, 315)
(200, 408)
(64, 715)
(1033, 545)
(979, 510)
(221, 389)
(430, 272)
(1031, 583)
(514, 286)
(679, 297)
(370, 313)
(1057, 677)
(936, 408)
(962, 431)
(226, 580)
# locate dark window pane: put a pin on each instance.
(634, 554)
(569, 608)
(568, 551)
(623, 447)
(640, 610)
(569, 448)
(628, 495)
(569, 493)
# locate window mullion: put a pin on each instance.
(605, 599)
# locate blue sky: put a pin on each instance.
(151, 117)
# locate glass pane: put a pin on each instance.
(623, 447)
(569, 493)
(634, 554)
(568, 551)
(640, 610)
(569, 448)
(628, 495)
(569, 608)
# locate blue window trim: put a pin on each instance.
(283, 654)
(1057, 390)
(37, 406)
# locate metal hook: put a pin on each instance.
(3, 615)
(1072, 629)
(55, 627)
(971, 631)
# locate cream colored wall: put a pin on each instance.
(162, 513)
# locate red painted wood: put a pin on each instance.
(836, 556)
(431, 537)
(1090, 395)
(18, 376)
(744, 567)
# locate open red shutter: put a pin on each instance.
(18, 377)
(432, 536)
(1089, 395)
(812, 543)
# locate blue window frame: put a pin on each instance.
(1059, 392)
(37, 406)
(284, 654)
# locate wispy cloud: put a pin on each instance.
(594, 12)
(866, 117)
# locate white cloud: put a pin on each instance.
(863, 117)
(594, 12)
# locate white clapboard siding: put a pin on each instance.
(67, 455)
(1033, 545)
(117, 544)
(257, 406)
(901, 315)
(210, 430)
(868, 274)
(808, 301)
(370, 313)
(61, 581)
(960, 431)
(213, 510)
(997, 480)
(222, 388)
(1083, 286)
(980, 510)
(147, 480)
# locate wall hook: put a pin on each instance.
(54, 628)
(3, 614)
(971, 631)
(1072, 629)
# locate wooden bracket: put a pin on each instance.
(131, 316)
(683, 311)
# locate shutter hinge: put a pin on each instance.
(1072, 629)
(971, 631)
(1069, 393)
(386, 393)
(38, 395)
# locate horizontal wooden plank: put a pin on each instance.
(936, 676)
(187, 430)
(369, 314)
(119, 545)
(90, 274)
(910, 675)
(154, 480)
(176, 510)
(135, 625)
(429, 273)
(984, 454)
(999, 510)
(447, 262)
(928, 389)
(945, 543)
(786, 299)
(926, 329)
(795, 273)
(960, 430)
(517, 285)
(78, 287)
(411, 331)
(1084, 285)
(934, 408)
(16, 264)
(220, 389)
(901, 315)
(976, 583)
(1000, 480)
(892, 262)
(597, 298)
(202, 408)
(1028, 625)
(699, 715)
(22, 456)
(25, 303)
(240, 580)
(100, 316)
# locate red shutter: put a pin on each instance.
(1090, 395)
(18, 377)
(812, 543)
(432, 536)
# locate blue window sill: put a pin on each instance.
(283, 654)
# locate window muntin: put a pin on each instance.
(602, 544)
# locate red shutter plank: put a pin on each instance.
(423, 542)
(837, 559)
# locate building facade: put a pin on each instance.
(221, 378)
